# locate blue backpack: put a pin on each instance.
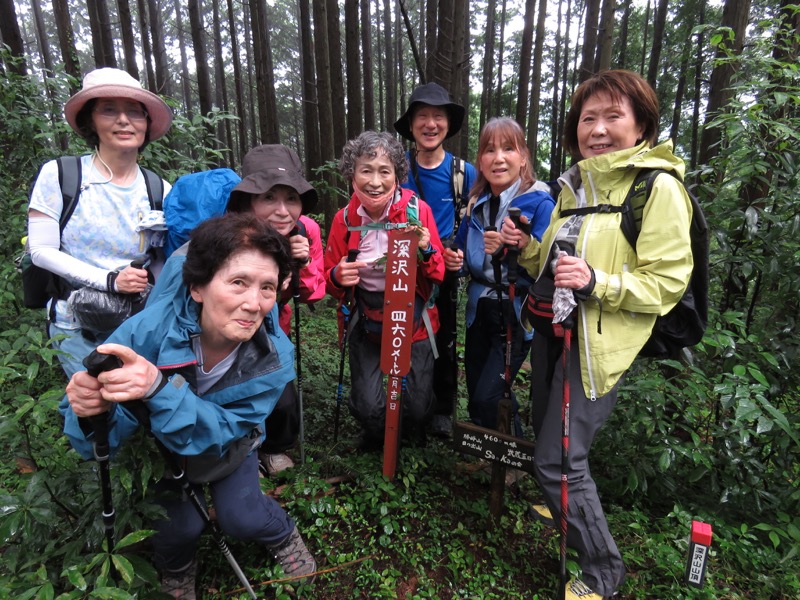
(193, 199)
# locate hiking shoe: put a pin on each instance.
(275, 463)
(441, 426)
(576, 589)
(294, 557)
(180, 584)
(542, 513)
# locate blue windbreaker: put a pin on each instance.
(536, 206)
(186, 423)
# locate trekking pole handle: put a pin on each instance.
(141, 262)
(352, 255)
(514, 213)
(95, 364)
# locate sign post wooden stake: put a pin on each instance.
(398, 329)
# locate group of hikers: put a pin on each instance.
(209, 356)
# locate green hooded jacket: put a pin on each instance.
(633, 286)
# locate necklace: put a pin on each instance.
(129, 176)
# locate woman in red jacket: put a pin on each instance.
(375, 166)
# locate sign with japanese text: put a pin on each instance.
(398, 309)
(398, 329)
(491, 445)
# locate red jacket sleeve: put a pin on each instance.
(335, 249)
(312, 276)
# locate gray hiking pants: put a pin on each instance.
(368, 387)
(588, 534)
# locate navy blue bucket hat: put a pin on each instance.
(431, 94)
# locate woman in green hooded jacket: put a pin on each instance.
(611, 132)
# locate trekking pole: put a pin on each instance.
(454, 333)
(102, 451)
(107, 362)
(297, 357)
(513, 254)
(504, 408)
(567, 325)
(102, 448)
(346, 313)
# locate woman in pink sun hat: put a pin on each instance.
(117, 218)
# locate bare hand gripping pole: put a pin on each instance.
(107, 362)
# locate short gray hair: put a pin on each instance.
(370, 144)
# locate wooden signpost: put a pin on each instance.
(398, 329)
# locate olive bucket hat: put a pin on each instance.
(269, 165)
(431, 94)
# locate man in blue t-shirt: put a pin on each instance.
(443, 181)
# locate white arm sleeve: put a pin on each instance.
(44, 242)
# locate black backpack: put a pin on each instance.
(38, 284)
(686, 323)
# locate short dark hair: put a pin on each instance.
(617, 83)
(85, 125)
(368, 144)
(216, 240)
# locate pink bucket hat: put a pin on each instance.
(115, 83)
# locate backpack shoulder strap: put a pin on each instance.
(69, 179)
(155, 189)
(412, 209)
(458, 171)
(634, 203)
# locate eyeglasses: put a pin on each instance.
(108, 111)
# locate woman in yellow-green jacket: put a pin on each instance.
(611, 132)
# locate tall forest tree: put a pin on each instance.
(11, 36)
(201, 56)
(734, 22)
(102, 40)
(487, 92)
(180, 34)
(220, 85)
(66, 41)
(337, 77)
(162, 67)
(309, 90)
(147, 49)
(536, 81)
(659, 20)
(128, 39)
(589, 40)
(366, 57)
(238, 86)
(355, 113)
(526, 48)
(605, 36)
(44, 42)
(265, 79)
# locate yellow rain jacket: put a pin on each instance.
(633, 286)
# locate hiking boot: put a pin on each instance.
(542, 513)
(576, 589)
(275, 463)
(180, 584)
(441, 426)
(294, 557)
